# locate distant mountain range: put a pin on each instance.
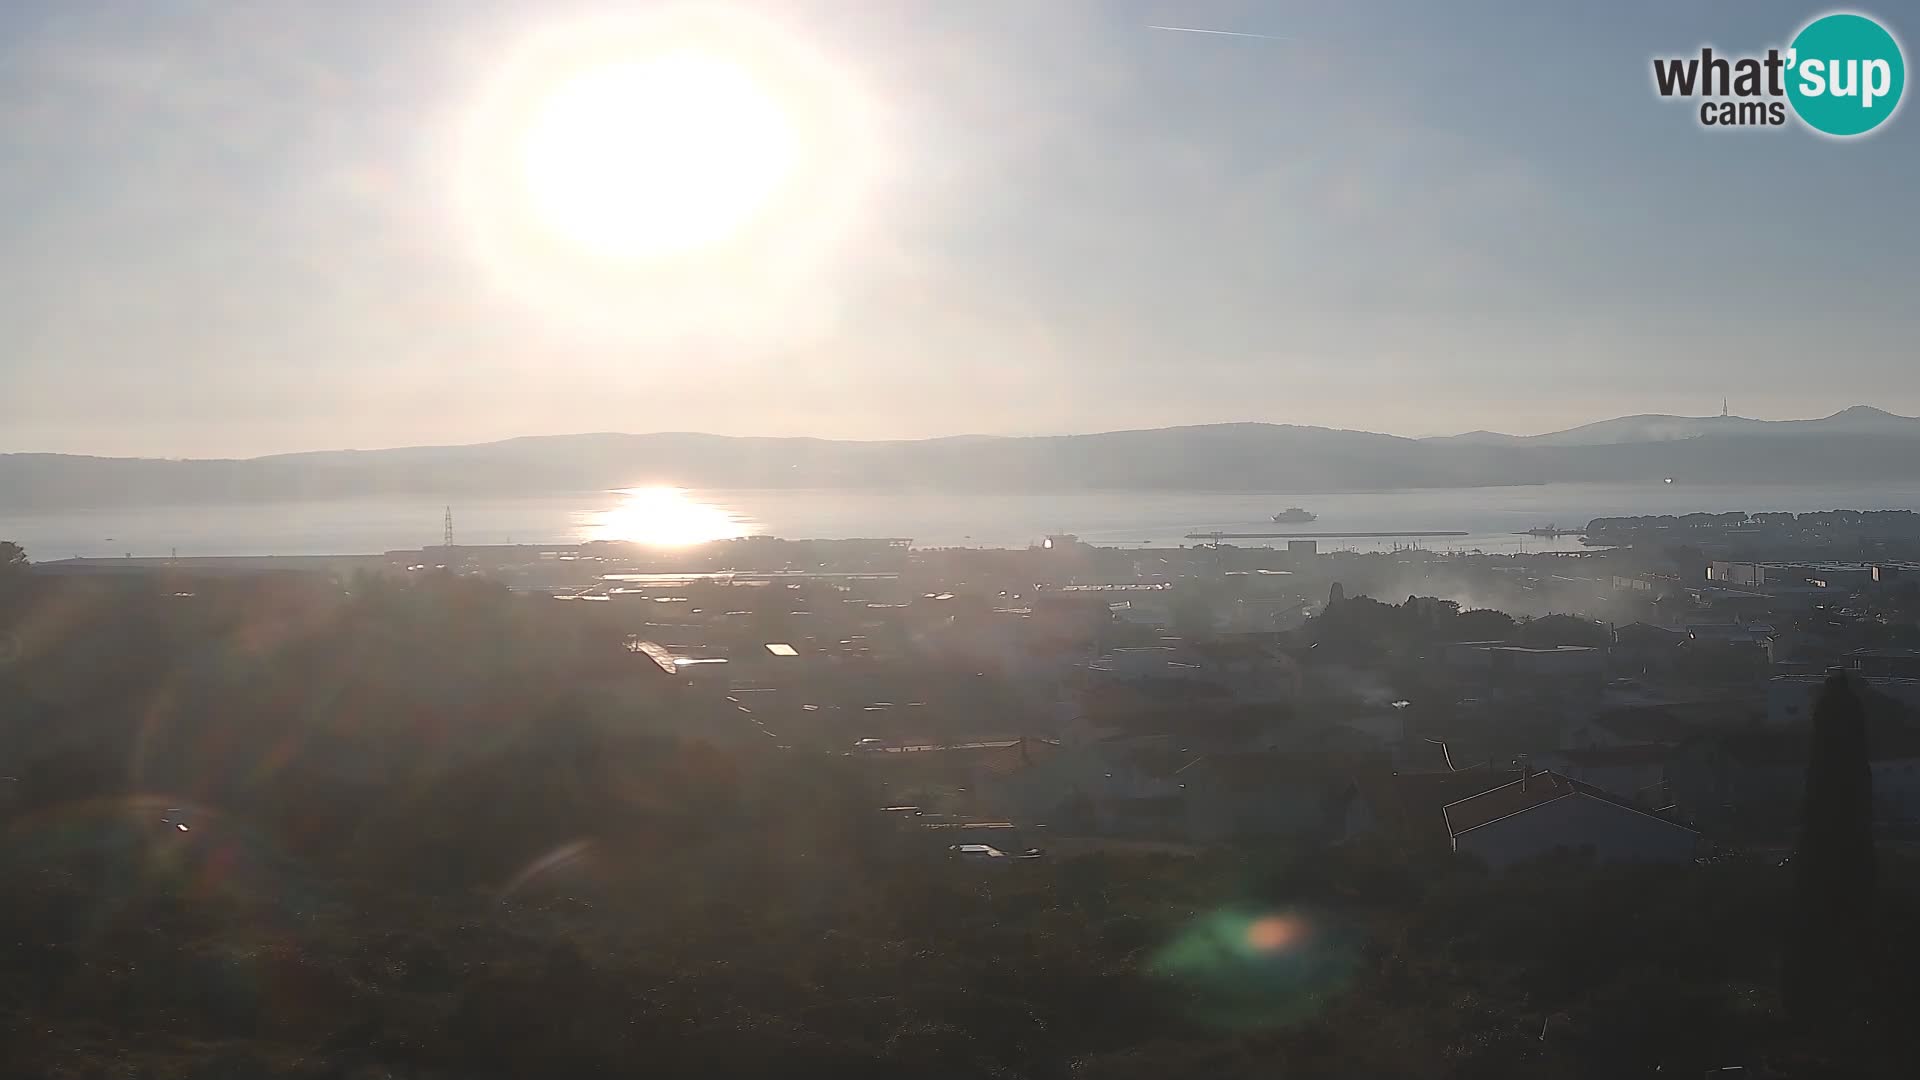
(1857, 444)
(1859, 420)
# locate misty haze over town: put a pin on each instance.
(1077, 541)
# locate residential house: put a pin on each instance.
(1470, 656)
(1500, 659)
(1268, 796)
(1144, 662)
(1123, 785)
(1643, 647)
(1547, 813)
(1790, 698)
(1729, 643)
(1668, 723)
(1407, 809)
(1156, 787)
(1745, 782)
(1246, 668)
(1752, 781)
(1884, 663)
(1562, 677)
(1578, 662)
(1634, 772)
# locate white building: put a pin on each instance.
(1820, 575)
(1547, 813)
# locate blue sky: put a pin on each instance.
(233, 231)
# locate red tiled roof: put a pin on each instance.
(1411, 804)
(1506, 801)
(1525, 794)
(1434, 791)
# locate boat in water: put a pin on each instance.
(1553, 530)
(1293, 514)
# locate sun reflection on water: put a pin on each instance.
(665, 517)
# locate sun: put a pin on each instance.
(655, 155)
(686, 172)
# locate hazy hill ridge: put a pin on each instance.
(1860, 443)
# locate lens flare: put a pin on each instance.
(1254, 969)
(1272, 933)
(553, 862)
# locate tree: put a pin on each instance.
(1483, 624)
(1551, 630)
(13, 573)
(1829, 944)
(1357, 626)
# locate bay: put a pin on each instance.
(1490, 516)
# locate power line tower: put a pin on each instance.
(446, 532)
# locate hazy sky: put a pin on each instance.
(233, 228)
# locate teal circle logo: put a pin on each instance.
(1845, 74)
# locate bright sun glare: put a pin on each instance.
(664, 517)
(655, 156)
(686, 171)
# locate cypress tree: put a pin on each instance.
(1829, 946)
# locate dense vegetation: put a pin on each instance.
(271, 830)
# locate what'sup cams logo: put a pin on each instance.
(1842, 76)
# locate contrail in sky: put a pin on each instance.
(1222, 33)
